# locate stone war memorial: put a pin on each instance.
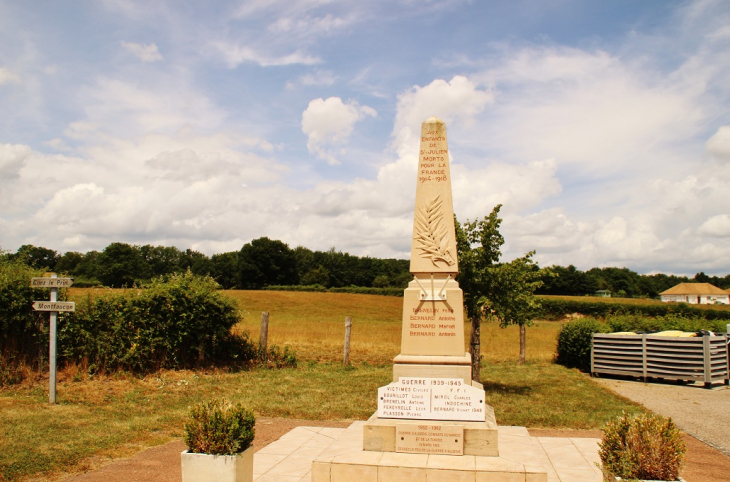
(432, 422)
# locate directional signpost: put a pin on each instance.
(53, 306)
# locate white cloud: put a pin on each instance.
(125, 107)
(144, 52)
(235, 55)
(311, 26)
(331, 121)
(719, 144)
(589, 109)
(458, 100)
(716, 226)
(8, 77)
(316, 78)
(57, 144)
(12, 159)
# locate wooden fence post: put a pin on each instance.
(348, 329)
(264, 335)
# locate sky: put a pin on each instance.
(603, 128)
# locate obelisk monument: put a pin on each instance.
(433, 422)
(432, 340)
(432, 396)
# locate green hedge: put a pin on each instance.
(361, 290)
(574, 338)
(23, 332)
(574, 342)
(558, 307)
(175, 322)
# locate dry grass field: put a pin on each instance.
(314, 324)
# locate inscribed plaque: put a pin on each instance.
(429, 438)
(416, 398)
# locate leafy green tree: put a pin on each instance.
(265, 262)
(161, 260)
(478, 245)
(225, 269)
(502, 291)
(316, 276)
(68, 262)
(513, 300)
(195, 261)
(568, 281)
(36, 257)
(121, 264)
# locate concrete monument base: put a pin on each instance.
(345, 461)
(480, 438)
(433, 366)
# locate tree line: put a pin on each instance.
(262, 262)
(265, 262)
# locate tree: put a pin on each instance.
(567, 281)
(264, 262)
(161, 260)
(36, 257)
(121, 264)
(225, 269)
(478, 244)
(504, 292)
(512, 300)
(68, 262)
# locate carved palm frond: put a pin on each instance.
(432, 234)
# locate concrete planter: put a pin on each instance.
(217, 468)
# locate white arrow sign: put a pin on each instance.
(54, 306)
(51, 282)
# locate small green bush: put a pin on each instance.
(219, 427)
(276, 358)
(574, 342)
(644, 446)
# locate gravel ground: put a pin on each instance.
(701, 412)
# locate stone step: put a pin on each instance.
(521, 460)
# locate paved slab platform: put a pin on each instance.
(290, 458)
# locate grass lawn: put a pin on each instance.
(116, 414)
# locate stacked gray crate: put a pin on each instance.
(703, 359)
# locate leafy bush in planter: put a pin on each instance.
(644, 446)
(574, 342)
(219, 427)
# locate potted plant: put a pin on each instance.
(641, 447)
(218, 434)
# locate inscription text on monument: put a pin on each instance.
(429, 439)
(416, 398)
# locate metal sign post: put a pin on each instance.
(52, 348)
(54, 306)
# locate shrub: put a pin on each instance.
(275, 357)
(644, 446)
(555, 307)
(23, 332)
(574, 342)
(176, 322)
(219, 427)
(670, 322)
